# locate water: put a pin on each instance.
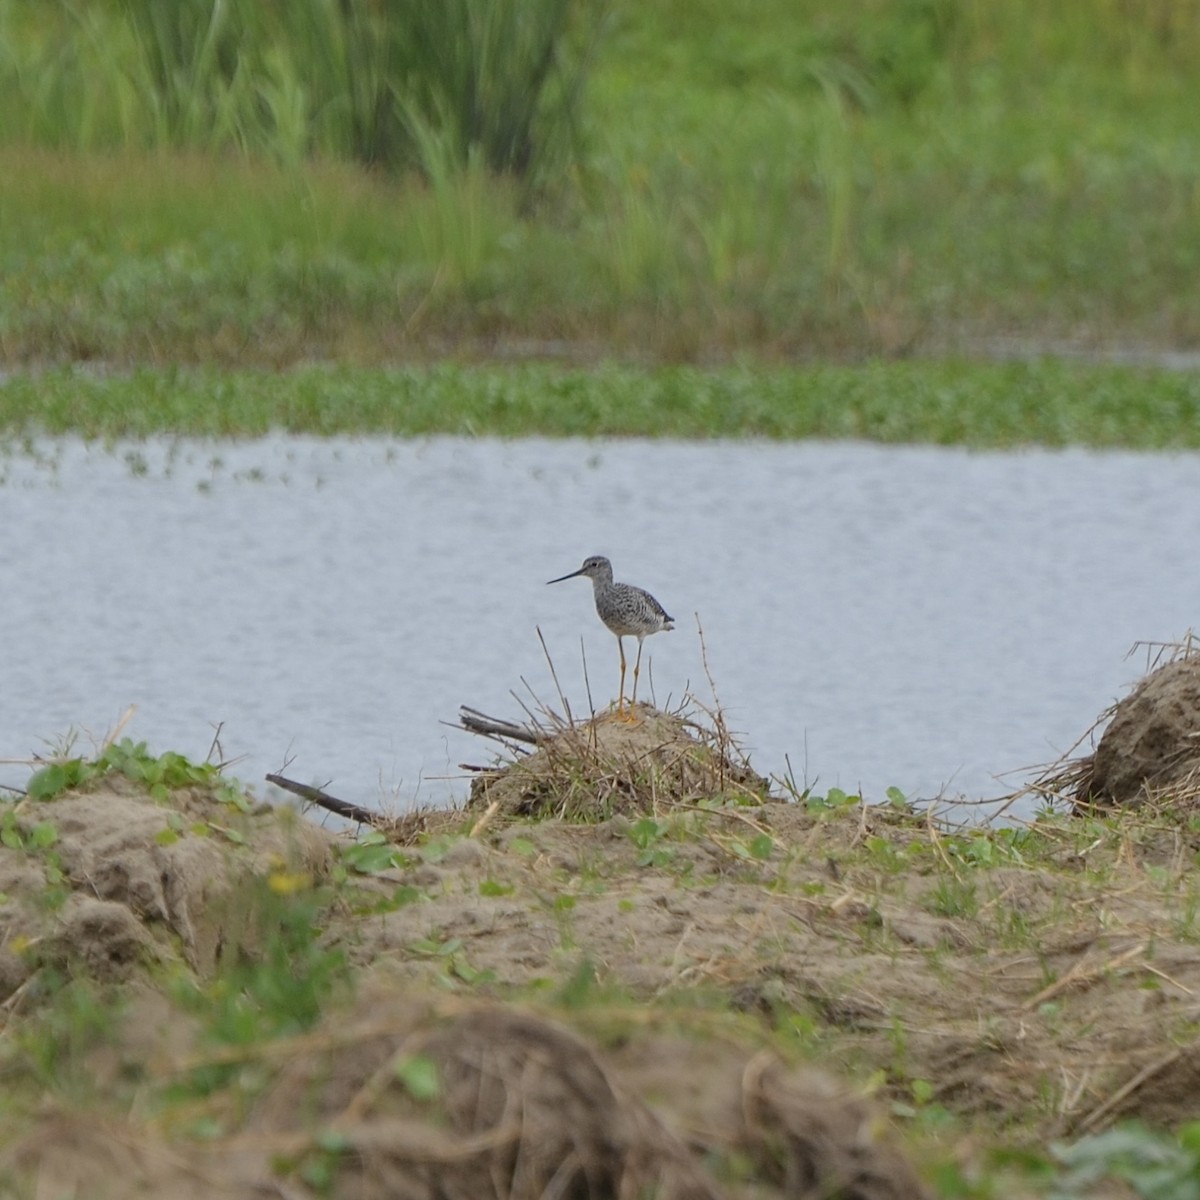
(914, 617)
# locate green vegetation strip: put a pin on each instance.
(1048, 403)
(786, 179)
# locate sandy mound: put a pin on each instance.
(1151, 748)
(605, 766)
(104, 879)
(412, 1100)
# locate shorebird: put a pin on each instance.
(628, 611)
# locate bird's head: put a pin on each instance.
(595, 567)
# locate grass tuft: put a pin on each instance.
(406, 87)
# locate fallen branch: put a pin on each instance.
(473, 721)
(343, 808)
(401, 831)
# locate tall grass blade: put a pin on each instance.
(499, 82)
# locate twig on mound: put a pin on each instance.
(474, 721)
(343, 808)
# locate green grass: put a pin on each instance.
(984, 405)
(405, 87)
(793, 180)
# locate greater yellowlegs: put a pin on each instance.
(628, 611)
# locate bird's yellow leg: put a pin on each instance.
(637, 666)
(621, 690)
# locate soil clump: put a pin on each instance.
(107, 880)
(1150, 750)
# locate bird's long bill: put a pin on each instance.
(562, 577)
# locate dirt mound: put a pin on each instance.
(594, 769)
(1151, 748)
(984, 947)
(1029, 983)
(107, 878)
(416, 1100)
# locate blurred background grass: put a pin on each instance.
(260, 183)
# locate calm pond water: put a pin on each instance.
(911, 616)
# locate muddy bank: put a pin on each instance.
(700, 987)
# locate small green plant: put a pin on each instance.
(1051, 1011)
(420, 1076)
(435, 848)
(1183, 924)
(1014, 928)
(1156, 1166)
(160, 774)
(75, 1016)
(835, 800)
(51, 781)
(276, 978)
(450, 953)
(986, 848)
(953, 898)
(371, 855)
(582, 986)
(647, 835)
(758, 848)
(40, 841)
(319, 1166)
(922, 1107)
(886, 854)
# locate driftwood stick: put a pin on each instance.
(473, 721)
(343, 808)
